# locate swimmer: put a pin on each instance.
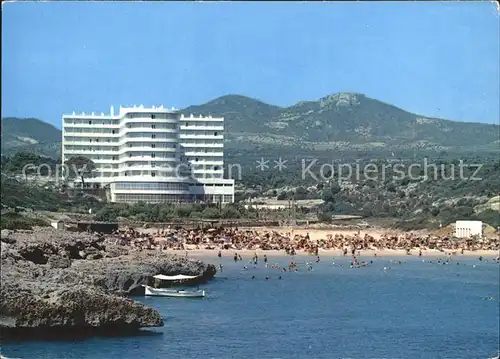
(279, 277)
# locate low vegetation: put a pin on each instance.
(18, 221)
(412, 202)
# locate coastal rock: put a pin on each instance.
(59, 280)
(75, 307)
(6, 236)
(59, 262)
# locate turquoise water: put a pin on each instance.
(412, 310)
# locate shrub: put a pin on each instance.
(325, 217)
(17, 221)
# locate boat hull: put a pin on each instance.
(160, 292)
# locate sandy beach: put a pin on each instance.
(379, 243)
(246, 253)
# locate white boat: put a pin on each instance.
(162, 292)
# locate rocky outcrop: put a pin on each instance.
(76, 306)
(57, 280)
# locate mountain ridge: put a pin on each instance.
(339, 121)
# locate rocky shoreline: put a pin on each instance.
(64, 282)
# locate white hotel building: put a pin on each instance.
(150, 154)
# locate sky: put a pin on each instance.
(432, 58)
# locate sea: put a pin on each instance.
(396, 307)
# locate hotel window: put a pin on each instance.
(153, 117)
(196, 159)
(153, 126)
(153, 136)
(113, 132)
(153, 164)
(187, 124)
(215, 133)
(153, 145)
(90, 122)
(153, 155)
(153, 174)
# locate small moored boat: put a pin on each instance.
(161, 292)
(171, 292)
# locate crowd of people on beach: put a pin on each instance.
(237, 239)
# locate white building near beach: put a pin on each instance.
(466, 229)
(150, 154)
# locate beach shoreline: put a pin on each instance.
(307, 242)
(333, 253)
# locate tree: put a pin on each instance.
(80, 166)
(328, 195)
(210, 213)
(335, 188)
(230, 212)
(300, 193)
(325, 217)
(29, 163)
